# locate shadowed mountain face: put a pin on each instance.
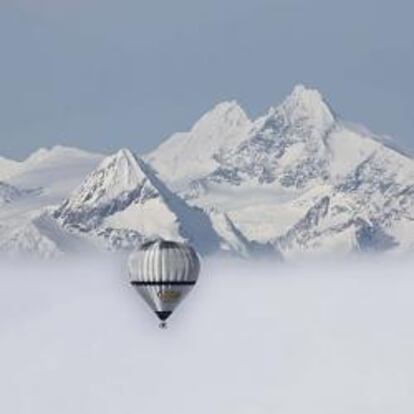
(297, 181)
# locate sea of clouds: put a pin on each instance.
(253, 337)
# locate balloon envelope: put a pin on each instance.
(163, 272)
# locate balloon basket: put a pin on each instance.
(163, 325)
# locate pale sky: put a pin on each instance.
(105, 74)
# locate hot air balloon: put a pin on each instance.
(163, 273)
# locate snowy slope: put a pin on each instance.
(41, 181)
(187, 156)
(366, 211)
(123, 201)
(57, 170)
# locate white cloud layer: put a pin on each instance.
(252, 338)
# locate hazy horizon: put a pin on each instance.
(104, 75)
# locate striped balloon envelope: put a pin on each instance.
(163, 273)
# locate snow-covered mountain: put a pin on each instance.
(124, 203)
(286, 145)
(302, 179)
(297, 143)
(296, 181)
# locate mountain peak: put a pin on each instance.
(222, 128)
(119, 172)
(306, 104)
(117, 182)
(304, 95)
(116, 177)
(224, 115)
(124, 155)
